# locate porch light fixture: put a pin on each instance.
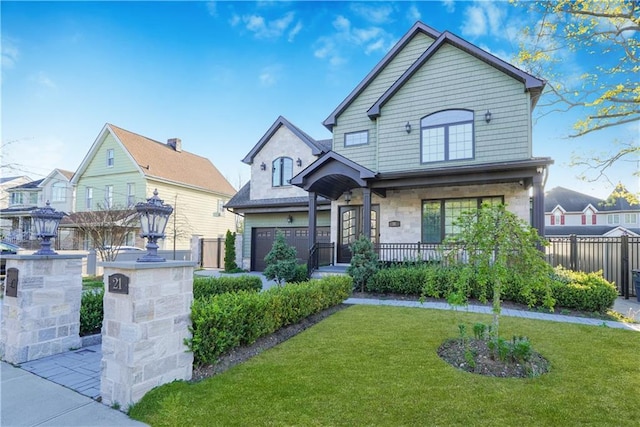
(45, 222)
(289, 219)
(407, 127)
(263, 167)
(299, 161)
(154, 215)
(487, 116)
(347, 196)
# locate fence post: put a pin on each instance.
(573, 252)
(624, 265)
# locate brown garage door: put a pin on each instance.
(298, 237)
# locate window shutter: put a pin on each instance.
(553, 219)
(593, 219)
(584, 219)
(561, 219)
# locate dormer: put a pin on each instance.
(557, 215)
(589, 216)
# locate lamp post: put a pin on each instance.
(154, 215)
(45, 222)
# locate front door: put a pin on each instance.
(350, 228)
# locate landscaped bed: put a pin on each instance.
(379, 366)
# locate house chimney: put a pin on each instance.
(175, 143)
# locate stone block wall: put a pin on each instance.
(44, 318)
(143, 331)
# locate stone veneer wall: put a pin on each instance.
(143, 332)
(44, 318)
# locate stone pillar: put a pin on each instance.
(145, 323)
(43, 318)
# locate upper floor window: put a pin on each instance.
(221, 207)
(33, 198)
(131, 194)
(613, 219)
(110, 159)
(631, 218)
(282, 171)
(108, 196)
(58, 192)
(557, 218)
(447, 135)
(17, 198)
(89, 198)
(356, 138)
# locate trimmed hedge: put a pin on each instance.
(204, 287)
(223, 322)
(574, 290)
(91, 312)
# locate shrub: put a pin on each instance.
(230, 252)
(91, 312)
(364, 262)
(223, 322)
(206, 286)
(281, 261)
(583, 291)
(302, 274)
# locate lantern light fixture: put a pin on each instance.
(407, 127)
(263, 167)
(347, 196)
(45, 223)
(154, 215)
(487, 116)
(289, 219)
(299, 162)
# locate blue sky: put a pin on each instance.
(218, 74)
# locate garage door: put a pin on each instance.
(298, 237)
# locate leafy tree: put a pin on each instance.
(281, 261)
(501, 247)
(107, 228)
(230, 252)
(364, 262)
(607, 93)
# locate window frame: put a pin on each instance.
(282, 181)
(58, 192)
(443, 215)
(108, 196)
(88, 198)
(131, 194)
(17, 198)
(110, 157)
(628, 216)
(613, 219)
(441, 116)
(353, 134)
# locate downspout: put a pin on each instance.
(377, 164)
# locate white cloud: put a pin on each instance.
(475, 23)
(294, 31)
(269, 75)
(413, 13)
(212, 8)
(449, 5)
(234, 20)
(43, 80)
(378, 14)
(484, 18)
(264, 29)
(10, 54)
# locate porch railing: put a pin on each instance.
(417, 252)
(320, 255)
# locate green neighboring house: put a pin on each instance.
(123, 168)
(437, 127)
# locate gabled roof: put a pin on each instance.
(317, 147)
(27, 185)
(417, 28)
(68, 175)
(157, 160)
(11, 178)
(531, 83)
(570, 200)
(586, 230)
(242, 200)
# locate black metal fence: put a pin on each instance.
(616, 257)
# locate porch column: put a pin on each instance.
(366, 215)
(313, 198)
(538, 204)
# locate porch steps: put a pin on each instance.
(330, 270)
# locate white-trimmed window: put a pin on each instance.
(89, 198)
(110, 157)
(17, 198)
(108, 196)
(131, 194)
(282, 168)
(439, 216)
(221, 207)
(58, 192)
(33, 198)
(447, 135)
(356, 138)
(613, 219)
(630, 218)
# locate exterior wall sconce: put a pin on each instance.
(407, 127)
(347, 196)
(154, 215)
(299, 162)
(263, 167)
(487, 116)
(45, 222)
(289, 219)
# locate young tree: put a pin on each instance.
(281, 261)
(230, 252)
(107, 228)
(607, 93)
(500, 248)
(364, 262)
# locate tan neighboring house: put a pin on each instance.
(123, 168)
(7, 182)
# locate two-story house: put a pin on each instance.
(7, 182)
(437, 127)
(55, 188)
(570, 212)
(123, 168)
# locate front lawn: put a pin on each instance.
(370, 365)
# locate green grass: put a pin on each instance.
(92, 282)
(378, 366)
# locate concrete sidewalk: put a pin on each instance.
(28, 400)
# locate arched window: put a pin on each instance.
(447, 135)
(282, 171)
